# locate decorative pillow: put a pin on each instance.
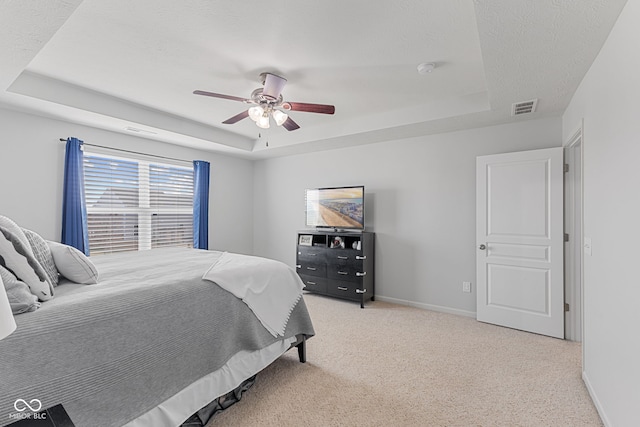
(9, 225)
(43, 254)
(73, 264)
(17, 257)
(20, 297)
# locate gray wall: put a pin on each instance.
(607, 101)
(31, 174)
(420, 202)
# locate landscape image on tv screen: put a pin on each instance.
(336, 207)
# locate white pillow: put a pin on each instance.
(73, 264)
(16, 255)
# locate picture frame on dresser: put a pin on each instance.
(305, 239)
(337, 242)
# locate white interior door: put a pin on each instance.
(519, 237)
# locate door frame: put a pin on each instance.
(574, 223)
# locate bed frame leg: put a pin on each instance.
(302, 349)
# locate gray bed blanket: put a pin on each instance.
(112, 351)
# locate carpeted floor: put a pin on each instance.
(391, 365)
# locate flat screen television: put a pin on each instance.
(335, 207)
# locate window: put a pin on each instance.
(136, 205)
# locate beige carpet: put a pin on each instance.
(390, 365)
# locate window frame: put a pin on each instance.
(145, 209)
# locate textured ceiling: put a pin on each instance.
(134, 64)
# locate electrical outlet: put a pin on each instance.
(466, 286)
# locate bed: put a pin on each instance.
(148, 345)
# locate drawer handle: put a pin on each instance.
(361, 291)
(311, 283)
(361, 274)
(343, 257)
(341, 288)
(361, 257)
(298, 266)
(312, 254)
(344, 273)
(311, 268)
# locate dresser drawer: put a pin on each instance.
(311, 254)
(314, 283)
(350, 272)
(344, 289)
(343, 256)
(311, 268)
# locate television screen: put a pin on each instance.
(340, 207)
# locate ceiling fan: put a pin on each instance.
(267, 102)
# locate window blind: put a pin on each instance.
(136, 205)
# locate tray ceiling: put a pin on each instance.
(131, 66)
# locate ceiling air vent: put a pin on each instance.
(524, 107)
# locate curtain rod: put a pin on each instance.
(133, 152)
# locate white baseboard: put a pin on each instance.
(595, 400)
(431, 307)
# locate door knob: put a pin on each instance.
(482, 247)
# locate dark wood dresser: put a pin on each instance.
(337, 263)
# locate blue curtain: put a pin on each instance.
(74, 209)
(200, 204)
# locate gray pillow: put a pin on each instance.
(20, 297)
(43, 254)
(17, 257)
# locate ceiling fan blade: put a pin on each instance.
(273, 85)
(309, 108)
(290, 125)
(219, 95)
(237, 118)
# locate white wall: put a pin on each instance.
(420, 202)
(607, 100)
(31, 174)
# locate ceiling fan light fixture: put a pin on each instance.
(256, 112)
(263, 121)
(279, 117)
(267, 102)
